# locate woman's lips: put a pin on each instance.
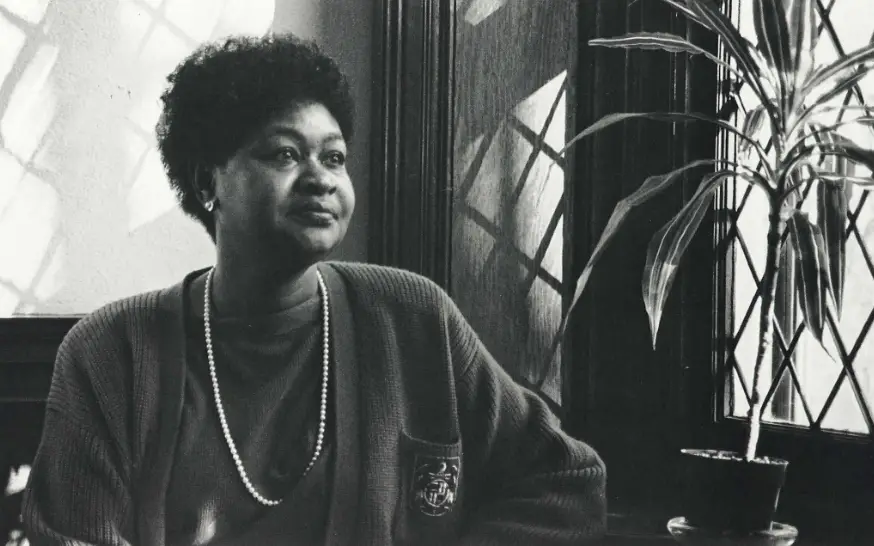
(314, 217)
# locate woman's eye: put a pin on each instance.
(336, 159)
(286, 155)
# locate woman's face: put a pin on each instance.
(287, 190)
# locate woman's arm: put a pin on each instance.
(78, 492)
(534, 484)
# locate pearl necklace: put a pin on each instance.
(323, 403)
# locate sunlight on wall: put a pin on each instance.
(509, 221)
(479, 10)
(544, 111)
(31, 106)
(86, 214)
(11, 42)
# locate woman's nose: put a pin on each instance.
(316, 180)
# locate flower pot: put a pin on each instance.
(724, 492)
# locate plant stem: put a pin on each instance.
(766, 328)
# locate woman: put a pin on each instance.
(277, 398)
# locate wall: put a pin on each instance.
(513, 60)
(86, 215)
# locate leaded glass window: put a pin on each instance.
(829, 389)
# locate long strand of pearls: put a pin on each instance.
(323, 402)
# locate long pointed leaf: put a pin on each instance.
(772, 32)
(801, 19)
(752, 124)
(668, 246)
(651, 187)
(822, 75)
(674, 117)
(823, 110)
(843, 85)
(661, 41)
(853, 152)
(812, 278)
(828, 135)
(832, 204)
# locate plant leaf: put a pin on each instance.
(651, 40)
(857, 154)
(668, 245)
(811, 282)
(832, 204)
(827, 135)
(651, 187)
(853, 152)
(674, 117)
(772, 33)
(663, 41)
(752, 124)
(843, 85)
(862, 56)
(801, 19)
(845, 108)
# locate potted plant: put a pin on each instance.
(738, 491)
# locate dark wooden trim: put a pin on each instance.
(411, 180)
(28, 346)
(19, 328)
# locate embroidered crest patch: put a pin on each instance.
(435, 484)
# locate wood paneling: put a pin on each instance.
(514, 64)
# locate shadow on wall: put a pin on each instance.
(512, 62)
(86, 215)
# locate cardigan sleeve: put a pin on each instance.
(531, 482)
(78, 492)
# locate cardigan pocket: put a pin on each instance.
(432, 486)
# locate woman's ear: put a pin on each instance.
(204, 184)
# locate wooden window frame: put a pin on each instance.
(411, 178)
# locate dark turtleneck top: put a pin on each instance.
(269, 371)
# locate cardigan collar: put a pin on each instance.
(346, 483)
(168, 335)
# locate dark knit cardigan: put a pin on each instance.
(413, 383)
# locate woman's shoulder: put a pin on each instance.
(391, 284)
(120, 318)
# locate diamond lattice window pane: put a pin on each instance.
(845, 413)
(831, 387)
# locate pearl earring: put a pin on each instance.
(209, 205)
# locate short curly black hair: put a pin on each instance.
(224, 91)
